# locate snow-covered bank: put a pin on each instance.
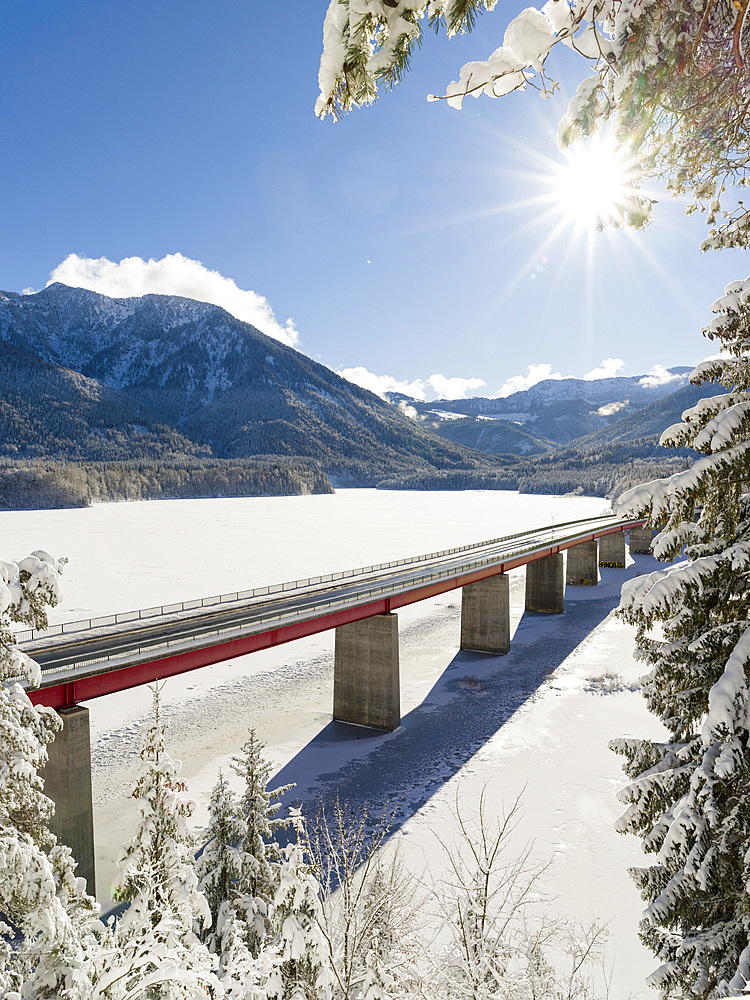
(540, 717)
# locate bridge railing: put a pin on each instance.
(122, 618)
(309, 611)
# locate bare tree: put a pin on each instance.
(370, 900)
(495, 938)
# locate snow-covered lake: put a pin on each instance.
(139, 554)
(539, 718)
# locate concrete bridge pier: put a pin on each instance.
(485, 615)
(67, 781)
(612, 550)
(545, 585)
(583, 564)
(640, 540)
(366, 688)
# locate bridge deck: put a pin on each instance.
(85, 662)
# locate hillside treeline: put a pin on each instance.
(44, 484)
(455, 479)
(599, 472)
(604, 470)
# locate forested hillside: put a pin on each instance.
(52, 411)
(496, 437)
(650, 422)
(44, 484)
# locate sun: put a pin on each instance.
(593, 187)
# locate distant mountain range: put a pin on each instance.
(104, 398)
(550, 414)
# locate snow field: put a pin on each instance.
(538, 719)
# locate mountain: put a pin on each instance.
(104, 398)
(618, 456)
(620, 452)
(637, 390)
(86, 376)
(50, 410)
(496, 437)
(647, 424)
(553, 412)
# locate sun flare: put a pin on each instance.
(593, 187)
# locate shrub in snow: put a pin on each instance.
(369, 902)
(689, 798)
(378, 984)
(153, 950)
(47, 921)
(493, 943)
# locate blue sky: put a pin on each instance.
(397, 239)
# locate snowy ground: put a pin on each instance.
(538, 719)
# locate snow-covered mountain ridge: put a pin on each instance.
(552, 412)
(639, 389)
(150, 340)
(189, 371)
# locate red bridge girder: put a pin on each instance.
(112, 679)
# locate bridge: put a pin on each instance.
(84, 660)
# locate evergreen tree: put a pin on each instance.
(155, 952)
(259, 856)
(689, 799)
(302, 972)
(220, 870)
(220, 864)
(47, 921)
(243, 975)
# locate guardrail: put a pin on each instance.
(52, 674)
(276, 588)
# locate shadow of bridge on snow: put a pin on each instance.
(437, 738)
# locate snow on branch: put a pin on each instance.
(369, 42)
(728, 698)
(27, 587)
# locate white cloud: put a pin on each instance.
(659, 375)
(174, 274)
(408, 411)
(454, 388)
(609, 409)
(435, 387)
(534, 374)
(381, 384)
(608, 368)
(542, 372)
